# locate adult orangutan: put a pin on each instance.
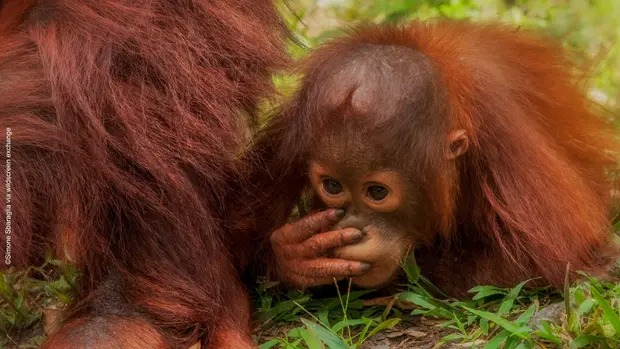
(470, 144)
(126, 119)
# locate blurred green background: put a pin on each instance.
(589, 29)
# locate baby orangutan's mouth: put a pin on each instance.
(381, 250)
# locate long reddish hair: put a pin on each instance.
(127, 120)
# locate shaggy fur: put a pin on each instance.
(529, 196)
(127, 118)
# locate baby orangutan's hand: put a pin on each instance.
(301, 250)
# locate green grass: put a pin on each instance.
(25, 294)
(586, 315)
(329, 321)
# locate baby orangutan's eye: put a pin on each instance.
(332, 187)
(377, 192)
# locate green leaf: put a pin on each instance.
(484, 326)
(347, 322)
(323, 315)
(270, 344)
(519, 331)
(325, 335)
(311, 339)
(579, 296)
(497, 341)
(295, 332)
(486, 291)
(452, 337)
(384, 325)
(513, 343)
(549, 336)
(547, 333)
(411, 269)
(507, 304)
(459, 324)
(362, 336)
(585, 307)
(417, 300)
(527, 315)
(584, 340)
(425, 303)
(609, 314)
(484, 288)
(19, 302)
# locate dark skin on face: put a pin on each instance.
(365, 226)
(381, 209)
(375, 203)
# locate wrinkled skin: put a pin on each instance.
(306, 251)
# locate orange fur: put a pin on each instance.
(531, 194)
(108, 332)
(127, 119)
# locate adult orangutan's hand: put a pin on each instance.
(301, 250)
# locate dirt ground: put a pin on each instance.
(411, 333)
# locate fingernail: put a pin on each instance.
(358, 235)
(339, 213)
(364, 267)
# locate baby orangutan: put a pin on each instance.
(467, 144)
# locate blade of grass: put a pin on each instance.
(519, 331)
(326, 336)
(509, 301)
(608, 312)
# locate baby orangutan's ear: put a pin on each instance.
(457, 144)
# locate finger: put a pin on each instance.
(332, 267)
(303, 281)
(309, 225)
(321, 243)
